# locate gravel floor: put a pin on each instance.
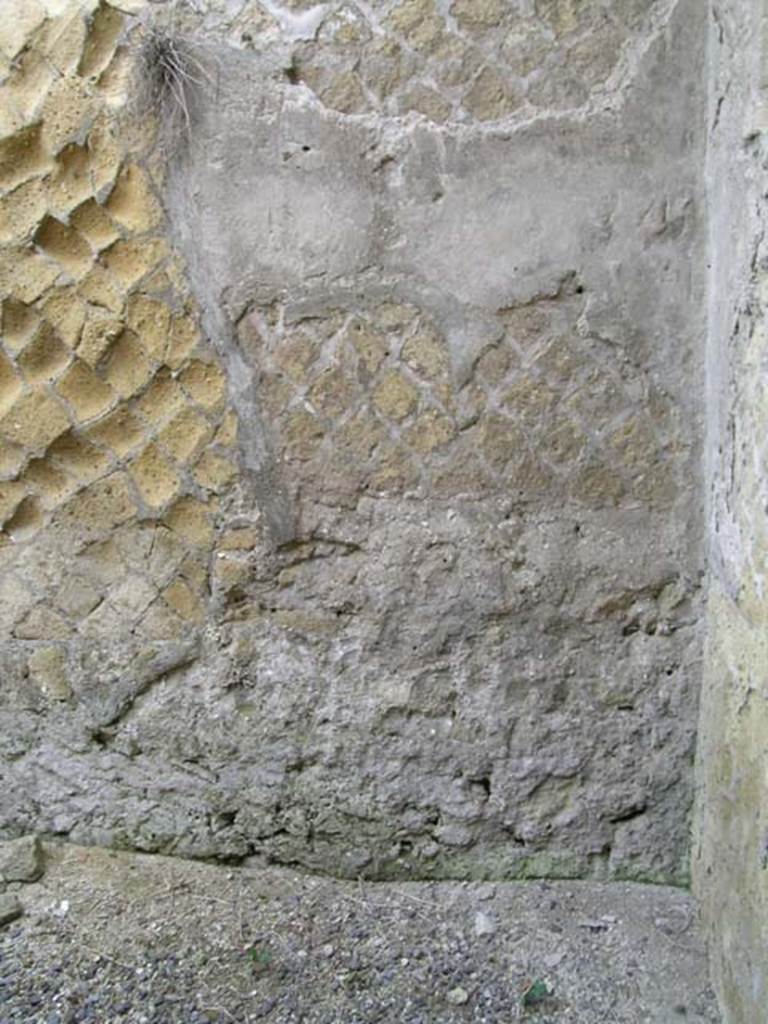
(150, 940)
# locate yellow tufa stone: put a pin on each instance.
(75, 344)
(426, 354)
(22, 210)
(120, 431)
(64, 308)
(394, 316)
(76, 597)
(190, 519)
(295, 355)
(478, 14)
(426, 101)
(19, 25)
(184, 435)
(596, 485)
(302, 434)
(359, 437)
(32, 275)
(371, 345)
(204, 382)
(43, 623)
(47, 669)
(131, 260)
(491, 97)
(100, 562)
(61, 41)
(345, 93)
(19, 323)
(131, 202)
(274, 397)
(500, 439)
(103, 34)
(87, 395)
(525, 48)
(44, 357)
(125, 365)
(561, 15)
(67, 109)
(155, 477)
(241, 538)
(25, 89)
(530, 399)
(430, 431)
(115, 81)
(230, 571)
(395, 397)
(10, 384)
(332, 393)
(104, 505)
(494, 365)
(226, 436)
(195, 571)
(12, 493)
(26, 519)
(563, 441)
(98, 333)
(150, 320)
(214, 472)
(23, 156)
(102, 289)
(182, 599)
(94, 224)
(34, 421)
(162, 399)
(634, 444)
(183, 339)
(132, 595)
(69, 183)
(160, 622)
(12, 458)
(51, 484)
(418, 22)
(78, 457)
(106, 153)
(395, 471)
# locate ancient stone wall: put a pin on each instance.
(351, 433)
(731, 852)
(116, 439)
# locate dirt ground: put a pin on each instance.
(139, 939)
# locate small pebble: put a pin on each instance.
(458, 996)
(484, 925)
(552, 960)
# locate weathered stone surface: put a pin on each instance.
(370, 547)
(10, 908)
(457, 505)
(21, 860)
